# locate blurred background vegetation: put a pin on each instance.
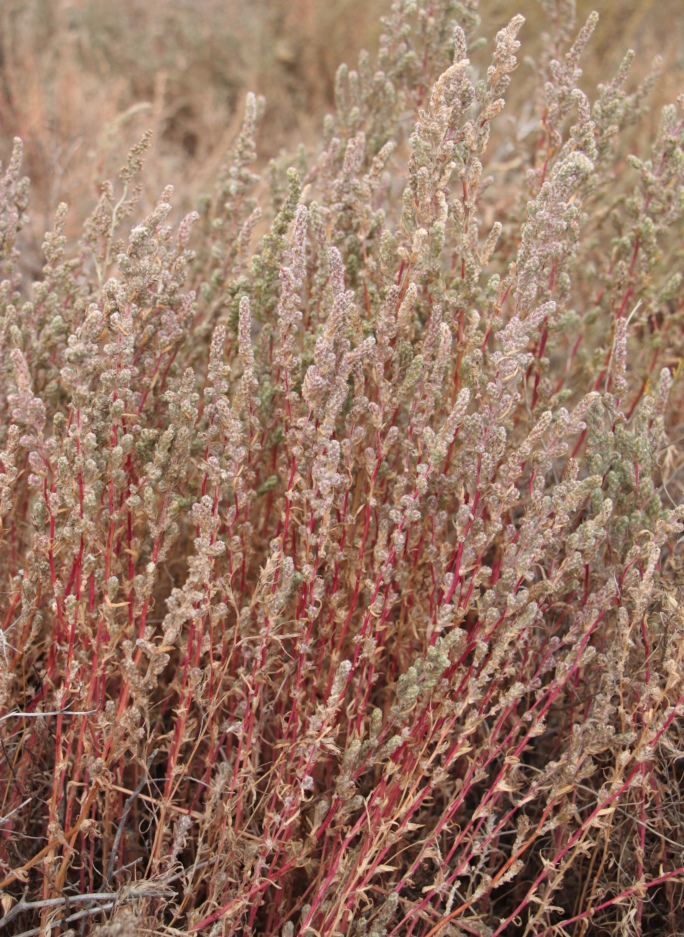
(81, 80)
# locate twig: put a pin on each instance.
(22, 906)
(88, 912)
(12, 812)
(124, 814)
(56, 712)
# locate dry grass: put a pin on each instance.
(82, 79)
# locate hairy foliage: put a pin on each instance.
(341, 533)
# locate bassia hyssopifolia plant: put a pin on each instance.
(342, 528)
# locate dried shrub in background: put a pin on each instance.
(344, 563)
(80, 80)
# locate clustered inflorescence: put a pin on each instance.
(341, 544)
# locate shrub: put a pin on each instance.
(344, 563)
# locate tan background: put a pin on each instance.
(80, 80)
